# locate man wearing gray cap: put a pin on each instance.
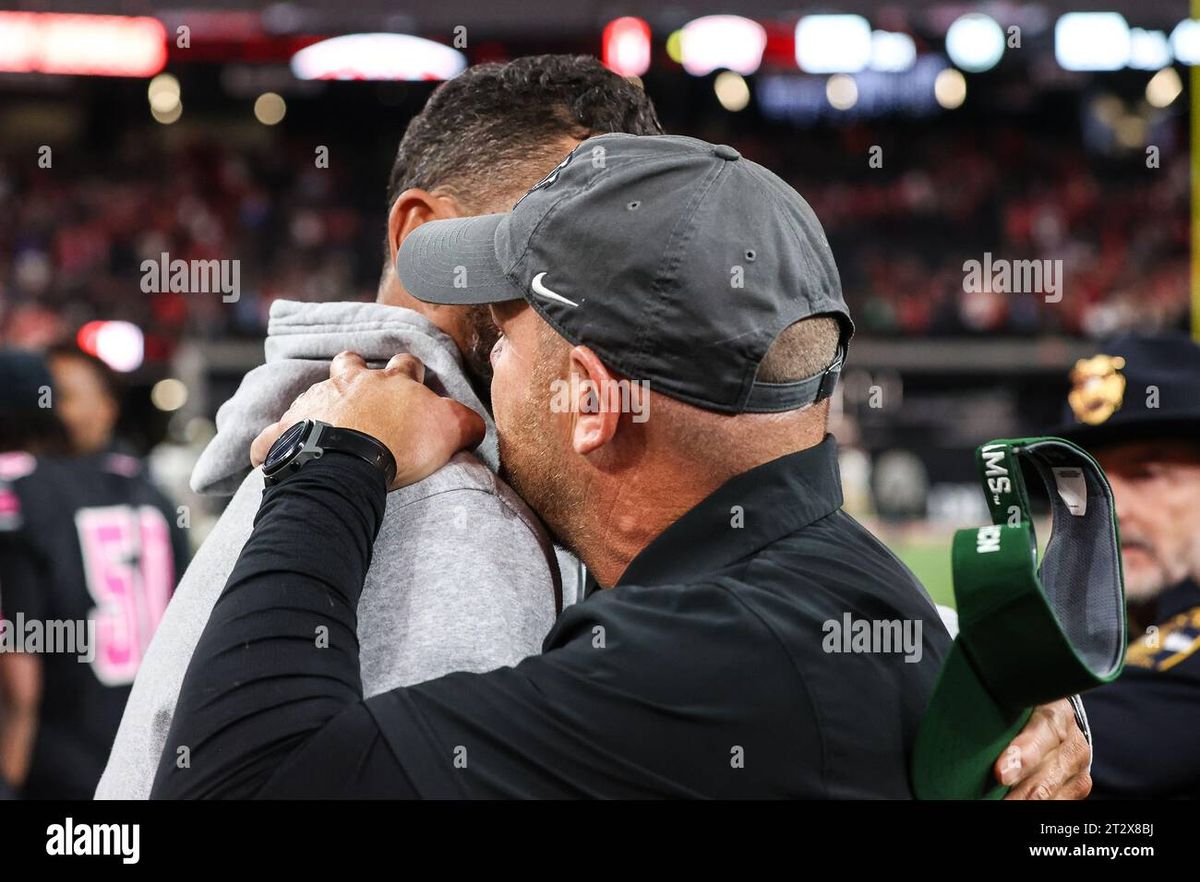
(673, 326)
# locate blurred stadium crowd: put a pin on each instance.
(71, 242)
(74, 241)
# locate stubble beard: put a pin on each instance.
(534, 464)
(1145, 582)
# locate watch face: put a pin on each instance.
(286, 446)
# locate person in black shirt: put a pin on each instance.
(750, 640)
(90, 551)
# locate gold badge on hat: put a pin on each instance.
(1098, 388)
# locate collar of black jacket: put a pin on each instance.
(1177, 599)
(745, 514)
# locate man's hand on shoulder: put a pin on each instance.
(421, 428)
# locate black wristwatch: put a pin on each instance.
(308, 440)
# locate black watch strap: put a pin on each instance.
(359, 444)
(290, 453)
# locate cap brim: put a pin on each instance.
(1145, 428)
(961, 735)
(454, 262)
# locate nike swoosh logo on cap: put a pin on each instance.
(542, 291)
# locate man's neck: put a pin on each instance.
(391, 293)
(628, 509)
(636, 514)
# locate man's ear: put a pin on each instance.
(412, 208)
(596, 401)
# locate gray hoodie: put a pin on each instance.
(463, 578)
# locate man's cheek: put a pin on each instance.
(1136, 558)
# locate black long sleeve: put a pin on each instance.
(1147, 707)
(279, 657)
(703, 687)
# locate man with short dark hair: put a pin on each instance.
(464, 578)
(482, 140)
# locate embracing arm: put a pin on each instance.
(279, 657)
(278, 662)
(269, 709)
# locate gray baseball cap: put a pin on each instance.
(675, 260)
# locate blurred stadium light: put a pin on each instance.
(97, 45)
(120, 345)
(833, 43)
(722, 41)
(1091, 41)
(626, 46)
(975, 42)
(378, 57)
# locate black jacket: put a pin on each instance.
(1146, 724)
(765, 645)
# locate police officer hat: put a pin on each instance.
(1137, 387)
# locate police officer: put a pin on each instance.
(1135, 406)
